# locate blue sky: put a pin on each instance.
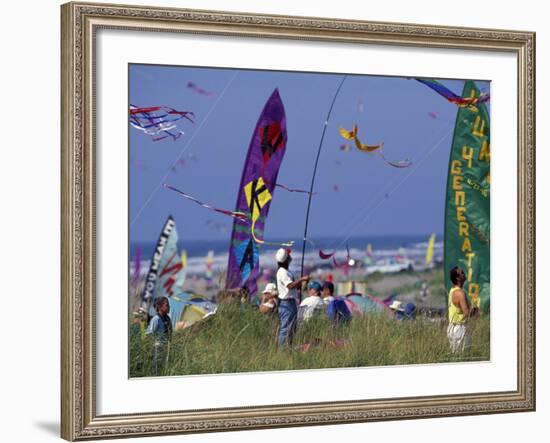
(373, 198)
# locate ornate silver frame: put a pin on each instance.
(80, 21)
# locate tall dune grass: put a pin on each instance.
(240, 339)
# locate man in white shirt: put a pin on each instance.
(288, 297)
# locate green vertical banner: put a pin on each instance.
(467, 210)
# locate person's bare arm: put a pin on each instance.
(297, 283)
(459, 299)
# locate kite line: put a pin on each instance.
(163, 179)
(390, 189)
(315, 172)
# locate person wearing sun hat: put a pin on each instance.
(288, 296)
(269, 299)
(397, 309)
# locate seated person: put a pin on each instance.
(270, 295)
(337, 310)
(410, 311)
(327, 292)
(400, 312)
(313, 303)
(397, 309)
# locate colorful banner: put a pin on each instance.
(256, 190)
(467, 212)
(167, 270)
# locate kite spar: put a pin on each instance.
(315, 172)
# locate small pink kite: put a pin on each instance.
(193, 86)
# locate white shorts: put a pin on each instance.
(459, 337)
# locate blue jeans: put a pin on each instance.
(288, 314)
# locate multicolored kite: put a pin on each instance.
(352, 135)
(462, 102)
(256, 190)
(159, 122)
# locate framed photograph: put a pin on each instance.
(277, 221)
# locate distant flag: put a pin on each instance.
(430, 249)
(209, 263)
(369, 255)
(369, 250)
(184, 259)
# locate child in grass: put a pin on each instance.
(160, 328)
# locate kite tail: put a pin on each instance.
(263, 242)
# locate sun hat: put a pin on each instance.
(396, 305)
(270, 288)
(281, 255)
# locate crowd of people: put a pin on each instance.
(283, 299)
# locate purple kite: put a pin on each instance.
(265, 154)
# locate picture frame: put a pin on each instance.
(81, 175)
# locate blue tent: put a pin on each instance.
(366, 304)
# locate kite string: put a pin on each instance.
(315, 171)
(352, 224)
(391, 189)
(159, 185)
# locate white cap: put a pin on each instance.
(281, 255)
(270, 288)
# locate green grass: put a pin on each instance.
(240, 339)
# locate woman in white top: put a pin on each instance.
(288, 297)
(311, 304)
